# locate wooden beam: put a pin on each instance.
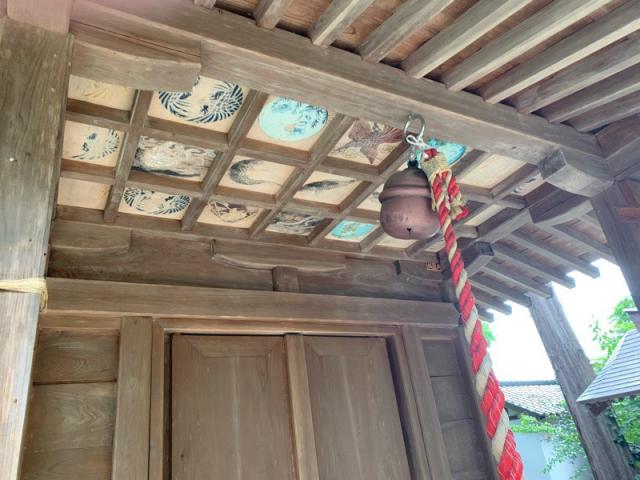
(595, 36)
(578, 238)
(282, 63)
(547, 22)
(623, 237)
(335, 20)
(577, 77)
(53, 15)
(373, 239)
(543, 271)
(110, 58)
(128, 153)
(477, 256)
(136, 299)
(487, 301)
(405, 20)
(621, 144)
(561, 208)
(466, 29)
(131, 437)
(268, 13)
(494, 230)
(548, 251)
(574, 373)
(34, 64)
(489, 285)
(611, 112)
(243, 122)
(575, 174)
(285, 279)
(507, 274)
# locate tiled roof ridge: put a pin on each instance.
(526, 383)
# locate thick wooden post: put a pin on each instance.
(34, 65)
(574, 373)
(623, 236)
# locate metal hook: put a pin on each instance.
(410, 119)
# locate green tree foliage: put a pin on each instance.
(488, 333)
(624, 414)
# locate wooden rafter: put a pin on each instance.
(493, 287)
(469, 27)
(576, 237)
(547, 22)
(589, 71)
(280, 63)
(335, 19)
(617, 110)
(595, 36)
(507, 274)
(269, 12)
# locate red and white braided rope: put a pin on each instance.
(447, 202)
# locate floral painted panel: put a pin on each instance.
(350, 231)
(372, 202)
(211, 104)
(256, 175)
(156, 204)
(367, 142)
(79, 193)
(100, 93)
(87, 143)
(288, 122)
(172, 159)
(326, 188)
(294, 223)
(229, 214)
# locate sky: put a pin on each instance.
(518, 353)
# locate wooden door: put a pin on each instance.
(356, 422)
(231, 416)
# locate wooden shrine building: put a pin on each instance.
(196, 184)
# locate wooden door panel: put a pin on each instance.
(230, 409)
(355, 414)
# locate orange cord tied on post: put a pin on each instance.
(449, 205)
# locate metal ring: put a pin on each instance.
(410, 119)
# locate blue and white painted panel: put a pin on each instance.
(255, 175)
(91, 144)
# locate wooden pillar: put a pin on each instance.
(574, 373)
(34, 66)
(623, 236)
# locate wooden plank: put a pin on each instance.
(595, 36)
(159, 407)
(300, 404)
(32, 97)
(53, 16)
(110, 58)
(245, 118)
(86, 463)
(230, 408)
(574, 372)
(75, 357)
(131, 438)
(78, 324)
(407, 18)
(544, 271)
(127, 153)
(511, 276)
(97, 115)
(268, 13)
(355, 414)
(611, 112)
(427, 406)
(281, 63)
(617, 86)
(81, 296)
(622, 237)
(100, 239)
(71, 416)
(548, 251)
(547, 22)
(455, 37)
(588, 72)
(335, 20)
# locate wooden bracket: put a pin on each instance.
(576, 174)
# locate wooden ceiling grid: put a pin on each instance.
(549, 40)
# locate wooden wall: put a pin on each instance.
(73, 406)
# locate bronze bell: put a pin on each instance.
(406, 211)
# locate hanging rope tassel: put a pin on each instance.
(448, 203)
